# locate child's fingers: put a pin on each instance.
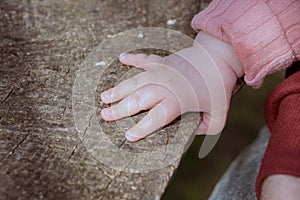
(159, 116)
(142, 99)
(212, 125)
(139, 60)
(123, 89)
(128, 86)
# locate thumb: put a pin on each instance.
(212, 124)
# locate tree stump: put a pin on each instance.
(43, 45)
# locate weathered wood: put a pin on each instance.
(43, 45)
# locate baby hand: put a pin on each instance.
(191, 80)
(280, 186)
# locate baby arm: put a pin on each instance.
(265, 35)
(198, 79)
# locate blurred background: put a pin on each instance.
(196, 178)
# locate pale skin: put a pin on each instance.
(196, 79)
(281, 187)
(176, 84)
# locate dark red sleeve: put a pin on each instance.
(282, 113)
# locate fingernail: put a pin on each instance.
(107, 112)
(123, 56)
(105, 96)
(130, 136)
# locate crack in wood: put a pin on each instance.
(84, 133)
(8, 95)
(16, 147)
(122, 143)
(114, 178)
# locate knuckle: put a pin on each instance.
(136, 101)
(172, 59)
(134, 82)
(167, 59)
(159, 116)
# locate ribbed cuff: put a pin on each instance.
(257, 31)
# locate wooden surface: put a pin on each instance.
(42, 47)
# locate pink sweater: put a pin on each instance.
(264, 33)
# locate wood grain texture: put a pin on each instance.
(43, 44)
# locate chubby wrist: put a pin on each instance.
(212, 77)
(221, 52)
(223, 56)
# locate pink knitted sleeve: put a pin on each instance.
(264, 33)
